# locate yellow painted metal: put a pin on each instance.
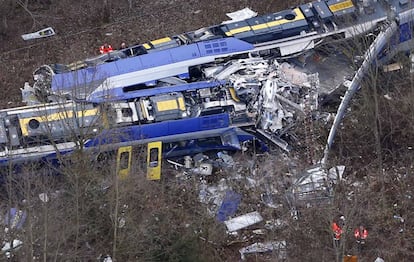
(167, 105)
(181, 104)
(55, 117)
(341, 6)
(259, 26)
(298, 16)
(154, 159)
(161, 41)
(123, 162)
(76, 65)
(144, 110)
(233, 94)
(238, 30)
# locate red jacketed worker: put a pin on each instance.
(360, 234)
(106, 48)
(337, 230)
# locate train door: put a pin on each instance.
(154, 158)
(123, 161)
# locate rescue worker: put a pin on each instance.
(105, 48)
(360, 234)
(123, 45)
(337, 233)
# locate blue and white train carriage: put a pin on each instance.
(158, 91)
(155, 63)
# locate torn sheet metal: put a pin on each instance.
(227, 159)
(276, 95)
(279, 246)
(29, 95)
(212, 196)
(229, 206)
(45, 32)
(204, 169)
(317, 183)
(243, 221)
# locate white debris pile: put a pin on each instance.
(212, 195)
(279, 246)
(316, 184)
(275, 94)
(284, 97)
(8, 247)
(253, 202)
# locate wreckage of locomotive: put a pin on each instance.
(220, 82)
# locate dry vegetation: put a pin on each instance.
(90, 213)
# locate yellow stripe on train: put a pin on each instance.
(298, 16)
(24, 122)
(341, 6)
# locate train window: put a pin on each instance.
(289, 16)
(133, 88)
(124, 160)
(34, 124)
(153, 157)
(126, 112)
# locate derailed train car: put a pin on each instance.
(39, 131)
(180, 59)
(177, 88)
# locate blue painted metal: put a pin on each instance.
(15, 218)
(92, 77)
(229, 206)
(122, 93)
(405, 32)
(159, 131)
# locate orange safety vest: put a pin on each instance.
(360, 233)
(337, 230)
(105, 49)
